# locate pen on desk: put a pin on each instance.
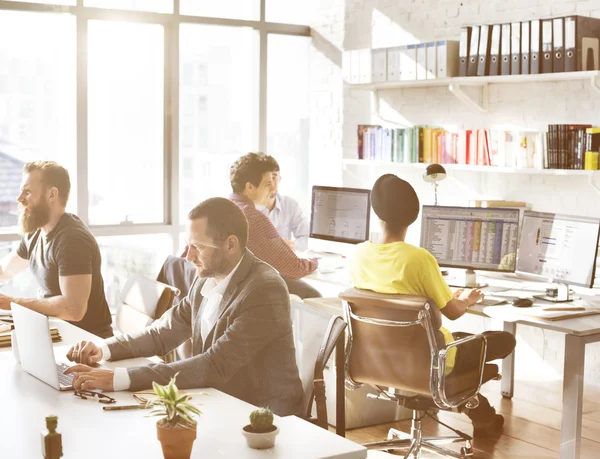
(139, 406)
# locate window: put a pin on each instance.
(290, 11)
(52, 2)
(35, 124)
(125, 140)
(154, 6)
(223, 96)
(230, 9)
(123, 256)
(288, 111)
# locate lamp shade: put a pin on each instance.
(434, 173)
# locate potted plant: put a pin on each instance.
(176, 431)
(260, 433)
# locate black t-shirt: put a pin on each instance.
(69, 249)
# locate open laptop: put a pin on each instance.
(36, 350)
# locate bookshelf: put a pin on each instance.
(470, 168)
(455, 84)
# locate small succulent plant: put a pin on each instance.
(261, 420)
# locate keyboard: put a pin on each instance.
(331, 264)
(492, 301)
(63, 379)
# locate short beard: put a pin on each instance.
(216, 268)
(37, 217)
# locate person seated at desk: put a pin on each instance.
(60, 250)
(252, 184)
(392, 266)
(237, 314)
(285, 213)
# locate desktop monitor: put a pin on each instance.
(558, 248)
(471, 238)
(340, 214)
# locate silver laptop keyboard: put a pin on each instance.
(63, 379)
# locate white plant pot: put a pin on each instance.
(260, 440)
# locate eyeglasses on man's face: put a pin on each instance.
(102, 398)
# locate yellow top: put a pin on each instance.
(401, 268)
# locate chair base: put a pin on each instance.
(415, 443)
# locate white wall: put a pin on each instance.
(336, 110)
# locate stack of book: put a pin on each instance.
(5, 336)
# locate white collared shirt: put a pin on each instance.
(287, 217)
(212, 293)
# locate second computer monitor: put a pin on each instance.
(340, 214)
(559, 248)
(471, 237)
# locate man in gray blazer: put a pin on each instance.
(238, 317)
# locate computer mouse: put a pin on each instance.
(522, 302)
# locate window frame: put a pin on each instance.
(171, 223)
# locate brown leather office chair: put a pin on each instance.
(143, 301)
(316, 392)
(394, 344)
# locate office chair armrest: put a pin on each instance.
(438, 376)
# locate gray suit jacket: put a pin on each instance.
(249, 353)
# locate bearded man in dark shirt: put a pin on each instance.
(61, 252)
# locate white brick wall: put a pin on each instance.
(353, 24)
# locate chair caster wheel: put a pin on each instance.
(466, 452)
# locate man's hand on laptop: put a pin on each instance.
(85, 352)
(88, 378)
(5, 302)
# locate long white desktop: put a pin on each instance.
(578, 331)
(88, 431)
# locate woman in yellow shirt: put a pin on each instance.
(392, 266)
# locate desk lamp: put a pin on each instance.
(434, 174)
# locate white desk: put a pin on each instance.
(578, 332)
(90, 432)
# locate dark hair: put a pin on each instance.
(53, 175)
(250, 168)
(272, 162)
(223, 219)
(395, 202)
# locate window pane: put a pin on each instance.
(50, 2)
(154, 6)
(230, 9)
(125, 119)
(290, 11)
(22, 286)
(37, 100)
(287, 111)
(217, 108)
(123, 256)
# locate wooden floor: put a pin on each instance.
(531, 429)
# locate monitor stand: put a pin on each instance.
(469, 280)
(560, 294)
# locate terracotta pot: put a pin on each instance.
(263, 440)
(176, 441)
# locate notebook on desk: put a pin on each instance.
(537, 312)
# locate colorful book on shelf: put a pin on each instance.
(566, 146)
(477, 147)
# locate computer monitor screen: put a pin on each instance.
(471, 237)
(559, 248)
(340, 214)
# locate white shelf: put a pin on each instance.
(455, 84)
(471, 168)
(479, 80)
